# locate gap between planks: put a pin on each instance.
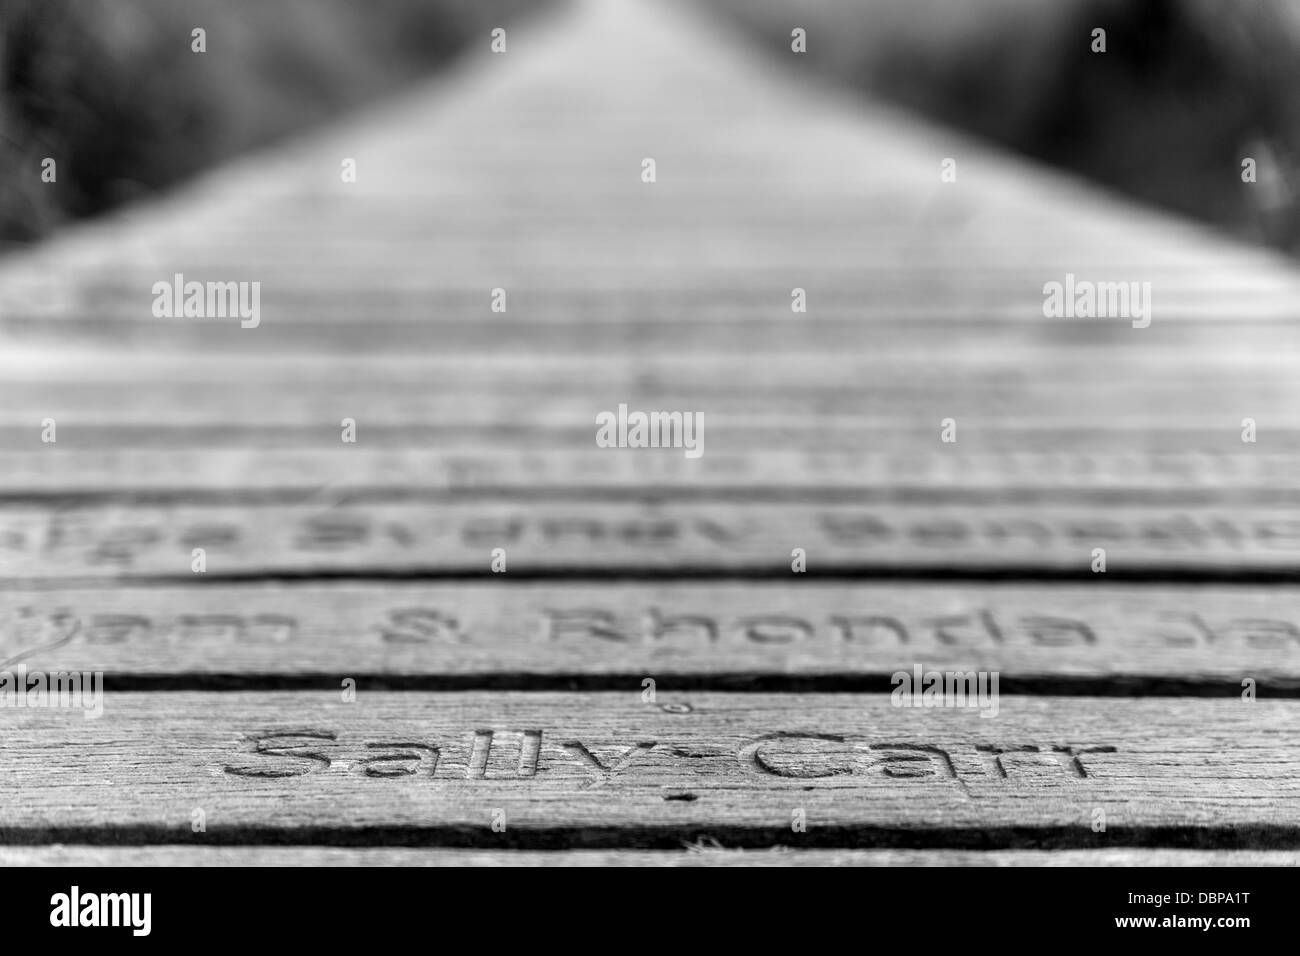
(700, 854)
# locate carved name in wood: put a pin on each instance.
(523, 755)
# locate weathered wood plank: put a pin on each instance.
(600, 537)
(907, 361)
(738, 418)
(614, 770)
(703, 854)
(1009, 467)
(582, 322)
(1106, 638)
(819, 410)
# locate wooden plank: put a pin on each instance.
(986, 368)
(1095, 638)
(907, 362)
(603, 770)
(600, 537)
(574, 403)
(1000, 471)
(700, 854)
(583, 322)
(738, 417)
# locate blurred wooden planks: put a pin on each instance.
(925, 297)
(1041, 399)
(1101, 638)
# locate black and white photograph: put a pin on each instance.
(597, 434)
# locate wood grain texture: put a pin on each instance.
(698, 854)
(601, 536)
(1088, 466)
(612, 770)
(584, 321)
(748, 415)
(1099, 638)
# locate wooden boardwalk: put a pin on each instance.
(349, 679)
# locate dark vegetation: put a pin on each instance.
(1185, 91)
(112, 90)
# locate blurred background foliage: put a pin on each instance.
(1185, 91)
(112, 90)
